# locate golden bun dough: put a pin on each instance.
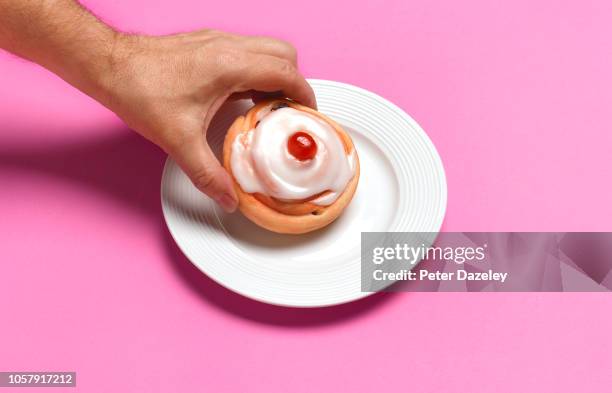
(293, 217)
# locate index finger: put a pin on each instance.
(269, 74)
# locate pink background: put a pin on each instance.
(516, 96)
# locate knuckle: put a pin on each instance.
(220, 39)
(286, 69)
(174, 143)
(209, 32)
(179, 134)
(288, 49)
(229, 58)
(203, 179)
(233, 64)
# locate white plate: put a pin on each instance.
(402, 188)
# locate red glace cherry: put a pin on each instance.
(302, 146)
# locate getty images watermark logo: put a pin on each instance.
(486, 261)
(411, 255)
(387, 258)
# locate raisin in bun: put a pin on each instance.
(294, 169)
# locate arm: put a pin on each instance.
(61, 36)
(165, 88)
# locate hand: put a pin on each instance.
(169, 88)
(165, 88)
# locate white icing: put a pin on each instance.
(261, 162)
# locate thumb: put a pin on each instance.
(201, 166)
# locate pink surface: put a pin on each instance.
(516, 97)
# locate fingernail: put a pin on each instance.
(228, 203)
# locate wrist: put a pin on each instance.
(91, 67)
(111, 78)
(102, 72)
(89, 56)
